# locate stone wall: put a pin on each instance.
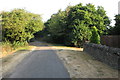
(108, 55)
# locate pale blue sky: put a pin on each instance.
(48, 7)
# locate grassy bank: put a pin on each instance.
(7, 49)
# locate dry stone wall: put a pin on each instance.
(108, 55)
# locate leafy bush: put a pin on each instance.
(18, 26)
(95, 36)
(81, 33)
(18, 44)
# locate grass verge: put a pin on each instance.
(6, 50)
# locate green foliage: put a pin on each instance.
(18, 44)
(90, 16)
(19, 25)
(14, 45)
(116, 29)
(6, 44)
(73, 26)
(81, 33)
(56, 26)
(95, 36)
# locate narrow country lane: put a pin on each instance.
(41, 63)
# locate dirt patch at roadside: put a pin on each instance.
(82, 65)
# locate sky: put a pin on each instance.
(48, 7)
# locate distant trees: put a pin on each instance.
(73, 26)
(19, 25)
(56, 26)
(116, 29)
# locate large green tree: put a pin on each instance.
(19, 25)
(88, 16)
(73, 26)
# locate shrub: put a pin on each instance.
(19, 25)
(95, 36)
(81, 33)
(18, 44)
(6, 47)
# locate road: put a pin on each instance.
(40, 64)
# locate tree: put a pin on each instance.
(116, 29)
(89, 16)
(19, 25)
(73, 26)
(56, 26)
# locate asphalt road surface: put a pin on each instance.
(40, 64)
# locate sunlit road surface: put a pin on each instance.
(40, 64)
